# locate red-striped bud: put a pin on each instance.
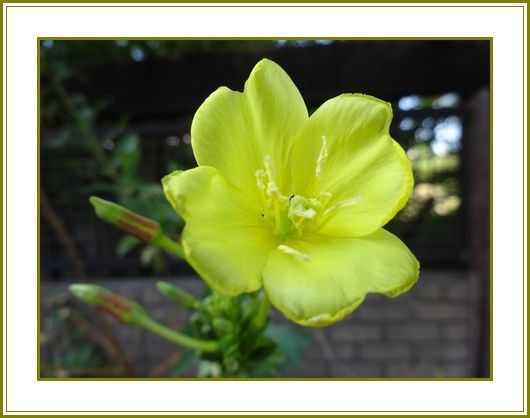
(119, 307)
(139, 226)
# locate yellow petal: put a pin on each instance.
(225, 239)
(318, 281)
(234, 131)
(345, 150)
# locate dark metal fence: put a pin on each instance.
(159, 97)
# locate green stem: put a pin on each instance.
(178, 295)
(170, 246)
(262, 313)
(176, 337)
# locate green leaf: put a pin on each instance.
(127, 153)
(126, 244)
(188, 359)
(148, 254)
(291, 342)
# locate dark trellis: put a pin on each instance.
(160, 96)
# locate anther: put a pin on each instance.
(291, 251)
(271, 189)
(260, 175)
(322, 157)
(268, 167)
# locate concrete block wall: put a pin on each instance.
(429, 332)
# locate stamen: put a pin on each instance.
(277, 217)
(260, 176)
(308, 213)
(324, 198)
(304, 208)
(322, 156)
(274, 197)
(269, 169)
(272, 188)
(292, 251)
(260, 181)
(301, 210)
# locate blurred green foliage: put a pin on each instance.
(67, 349)
(107, 160)
(92, 157)
(98, 160)
(82, 54)
(251, 349)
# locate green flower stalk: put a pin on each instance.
(129, 312)
(262, 313)
(293, 203)
(206, 346)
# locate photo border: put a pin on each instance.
(5, 225)
(397, 39)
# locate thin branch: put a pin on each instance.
(64, 237)
(165, 365)
(330, 354)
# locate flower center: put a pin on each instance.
(289, 216)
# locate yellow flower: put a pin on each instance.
(293, 203)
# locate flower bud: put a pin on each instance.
(222, 326)
(139, 226)
(178, 295)
(119, 307)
